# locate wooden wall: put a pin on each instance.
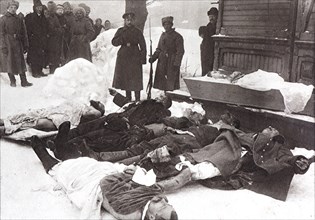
(272, 35)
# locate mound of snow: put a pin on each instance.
(78, 80)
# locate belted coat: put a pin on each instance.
(169, 53)
(13, 41)
(130, 57)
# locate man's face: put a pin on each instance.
(79, 14)
(129, 22)
(51, 7)
(87, 12)
(98, 22)
(107, 25)
(12, 9)
(67, 9)
(46, 13)
(159, 208)
(59, 11)
(212, 19)
(39, 9)
(270, 131)
(167, 26)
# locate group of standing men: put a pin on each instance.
(51, 36)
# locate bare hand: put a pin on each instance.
(130, 169)
(302, 163)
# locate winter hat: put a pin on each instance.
(168, 19)
(76, 9)
(59, 6)
(37, 3)
(13, 2)
(86, 8)
(213, 11)
(129, 15)
(66, 4)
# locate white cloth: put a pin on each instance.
(200, 171)
(66, 111)
(143, 177)
(80, 179)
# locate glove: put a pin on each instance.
(151, 60)
(5, 51)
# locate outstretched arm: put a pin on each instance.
(176, 182)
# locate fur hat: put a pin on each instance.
(66, 4)
(59, 6)
(129, 15)
(169, 19)
(76, 9)
(13, 2)
(213, 11)
(86, 8)
(37, 3)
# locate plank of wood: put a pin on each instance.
(201, 89)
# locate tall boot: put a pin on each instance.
(40, 150)
(137, 96)
(12, 80)
(61, 139)
(128, 95)
(24, 82)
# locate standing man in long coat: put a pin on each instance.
(13, 43)
(55, 32)
(37, 31)
(69, 16)
(169, 53)
(207, 44)
(130, 57)
(81, 34)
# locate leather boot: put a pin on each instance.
(128, 95)
(12, 80)
(24, 82)
(61, 139)
(137, 96)
(113, 156)
(40, 150)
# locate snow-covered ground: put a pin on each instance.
(27, 192)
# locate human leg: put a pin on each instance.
(40, 150)
(12, 80)
(137, 96)
(128, 95)
(24, 82)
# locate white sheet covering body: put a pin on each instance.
(80, 178)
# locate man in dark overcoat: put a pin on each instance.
(81, 33)
(169, 53)
(69, 16)
(55, 32)
(37, 31)
(207, 44)
(13, 44)
(130, 57)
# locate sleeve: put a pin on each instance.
(179, 44)
(24, 35)
(118, 38)
(158, 50)
(143, 48)
(89, 31)
(296, 169)
(2, 33)
(176, 182)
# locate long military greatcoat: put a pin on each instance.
(207, 49)
(55, 32)
(81, 33)
(13, 37)
(37, 31)
(130, 57)
(169, 53)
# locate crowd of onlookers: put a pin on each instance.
(51, 36)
